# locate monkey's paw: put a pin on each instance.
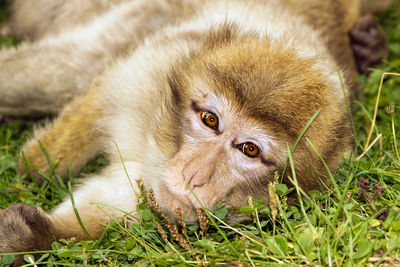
(23, 229)
(369, 43)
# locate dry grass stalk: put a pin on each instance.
(153, 201)
(272, 200)
(181, 219)
(203, 221)
(173, 230)
(162, 232)
(175, 235)
(367, 145)
(142, 191)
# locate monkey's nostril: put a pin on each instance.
(188, 175)
(199, 181)
(192, 181)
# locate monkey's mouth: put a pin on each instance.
(171, 200)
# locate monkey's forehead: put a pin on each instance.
(263, 80)
(266, 97)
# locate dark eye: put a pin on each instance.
(250, 149)
(209, 119)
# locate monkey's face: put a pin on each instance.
(220, 152)
(234, 109)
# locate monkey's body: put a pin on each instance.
(262, 68)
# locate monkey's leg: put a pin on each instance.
(71, 140)
(34, 19)
(39, 78)
(98, 200)
(369, 43)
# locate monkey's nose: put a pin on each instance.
(197, 181)
(198, 174)
(200, 167)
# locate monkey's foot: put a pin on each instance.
(369, 43)
(23, 229)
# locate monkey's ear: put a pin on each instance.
(221, 35)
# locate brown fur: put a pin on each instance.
(24, 229)
(282, 93)
(74, 131)
(149, 99)
(333, 19)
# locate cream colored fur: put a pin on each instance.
(118, 57)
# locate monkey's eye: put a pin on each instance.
(249, 149)
(209, 119)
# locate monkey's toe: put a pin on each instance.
(369, 43)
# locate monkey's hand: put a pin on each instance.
(369, 43)
(24, 229)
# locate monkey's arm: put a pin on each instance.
(71, 141)
(98, 199)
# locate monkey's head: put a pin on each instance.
(232, 111)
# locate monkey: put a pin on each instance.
(201, 100)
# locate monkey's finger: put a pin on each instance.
(377, 58)
(364, 38)
(360, 51)
(366, 23)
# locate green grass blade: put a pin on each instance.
(298, 140)
(78, 217)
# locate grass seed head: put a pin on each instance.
(172, 228)
(181, 219)
(284, 200)
(162, 232)
(153, 201)
(377, 190)
(142, 191)
(390, 110)
(183, 243)
(363, 183)
(272, 200)
(177, 236)
(203, 220)
(364, 191)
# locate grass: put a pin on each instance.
(355, 222)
